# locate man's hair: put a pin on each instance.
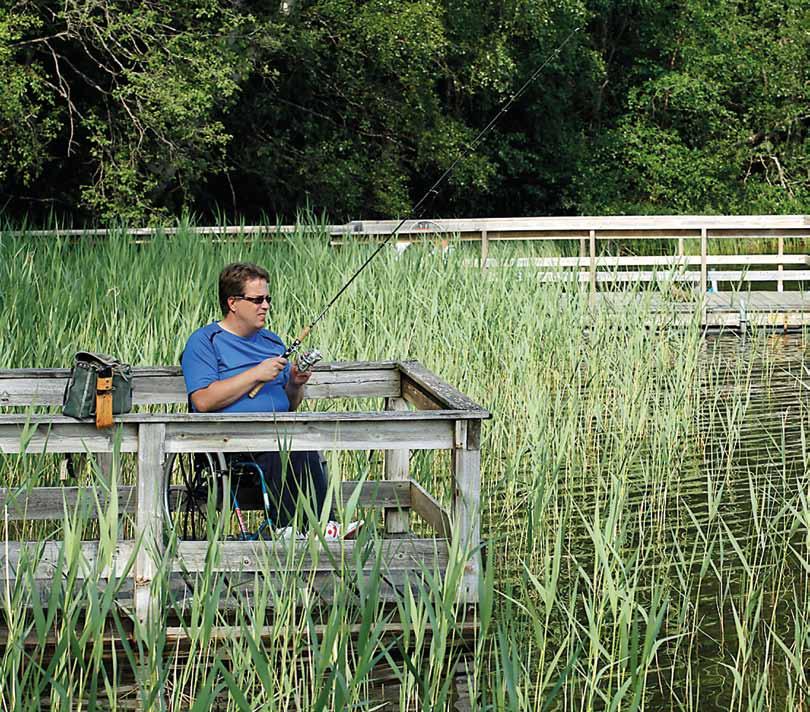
(232, 280)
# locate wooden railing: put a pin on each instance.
(589, 231)
(442, 418)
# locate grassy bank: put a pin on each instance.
(646, 495)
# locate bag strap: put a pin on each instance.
(104, 389)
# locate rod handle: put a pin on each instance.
(289, 352)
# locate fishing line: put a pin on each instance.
(432, 191)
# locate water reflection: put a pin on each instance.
(747, 512)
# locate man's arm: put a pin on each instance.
(220, 394)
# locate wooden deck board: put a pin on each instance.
(398, 563)
(776, 309)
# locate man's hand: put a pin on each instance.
(220, 394)
(297, 378)
(269, 369)
(294, 388)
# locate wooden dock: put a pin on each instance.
(733, 310)
(418, 411)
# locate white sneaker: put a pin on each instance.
(287, 533)
(333, 530)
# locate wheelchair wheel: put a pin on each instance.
(191, 480)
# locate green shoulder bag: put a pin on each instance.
(95, 381)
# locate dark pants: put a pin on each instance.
(297, 474)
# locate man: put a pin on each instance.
(225, 360)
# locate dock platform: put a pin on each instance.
(780, 310)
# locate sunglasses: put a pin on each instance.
(258, 301)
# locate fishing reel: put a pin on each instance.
(307, 360)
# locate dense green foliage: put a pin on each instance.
(112, 108)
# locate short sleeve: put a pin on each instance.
(199, 362)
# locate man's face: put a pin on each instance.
(253, 316)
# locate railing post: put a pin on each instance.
(780, 285)
(467, 502)
(592, 234)
(583, 253)
(397, 521)
(704, 272)
(149, 521)
(704, 260)
(484, 248)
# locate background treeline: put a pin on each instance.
(236, 109)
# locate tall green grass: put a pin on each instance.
(645, 494)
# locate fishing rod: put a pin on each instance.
(433, 190)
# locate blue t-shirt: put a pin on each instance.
(213, 354)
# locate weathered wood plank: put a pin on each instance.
(614, 277)
(397, 468)
(234, 433)
(168, 231)
(397, 554)
(790, 275)
(46, 556)
(149, 522)
(360, 384)
(418, 397)
(166, 386)
(404, 563)
(675, 276)
(640, 261)
(467, 508)
(380, 416)
(601, 234)
(430, 510)
(40, 503)
(465, 629)
(251, 436)
(780, 320)
(439, 390)
(377, 494)
(62, 435)
(791, 311)
(324, 584)
(754, 301)
(645, 223)
(172, 371)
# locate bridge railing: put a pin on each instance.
(588, 230)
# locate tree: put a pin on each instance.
(117, 104)
(717, 120)
(118, 109)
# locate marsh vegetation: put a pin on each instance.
(646, 497)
